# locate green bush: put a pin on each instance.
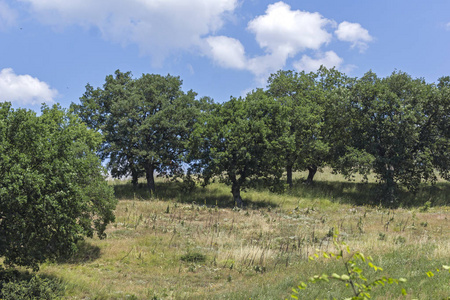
(36, 288)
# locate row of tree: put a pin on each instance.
(396, 127)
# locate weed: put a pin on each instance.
(193, 257)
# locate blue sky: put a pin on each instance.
(50, 49)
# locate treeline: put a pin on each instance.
(396, 127)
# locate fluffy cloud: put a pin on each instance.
(24, 89)
(281, 32)
(286, 32)
(355, 34)
(328, 59)
(226, 52)
(7, 16)
(156, 26)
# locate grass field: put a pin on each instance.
(196, 246)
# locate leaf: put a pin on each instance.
(430, 274)
(324, 277)
(334, 275)
(404, 292)
(345, 277)
(362, 257)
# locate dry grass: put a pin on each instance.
(260, 252)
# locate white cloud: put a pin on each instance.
(24, 89)
(447, 26)
(355, 34)
(226, 52)
(158, 27)
(7, 16)
(281, 32)
(328, 59)
(287, 32)
(263, 66)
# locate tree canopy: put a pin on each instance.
(52, 188)
(401, 124)
(240, 140)
(145, 121)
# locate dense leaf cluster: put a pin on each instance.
(52, 188)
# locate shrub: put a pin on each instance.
(36, 288)
(193, 257)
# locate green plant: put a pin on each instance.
(36, 288)
(193, 257)
(52, 188)
(426, 206)
(354, 276)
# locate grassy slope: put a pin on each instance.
(260, 252)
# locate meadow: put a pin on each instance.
(196, 245)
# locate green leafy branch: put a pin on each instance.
(353, 277)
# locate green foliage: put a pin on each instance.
(300, 95)
(240, 141)
(52, 189)
(145, 121)
(397, 127)
(315, 112)
(354, 277)
(36, 288)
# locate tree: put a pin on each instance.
(401, 124)
(52, 188)
(300, 94)
(239, 141)
(439, 109)
(145, 121)
(316, 114)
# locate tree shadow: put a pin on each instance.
(170, 191)
(85, 252)
(360, 193)
(346, 192)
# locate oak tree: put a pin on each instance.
(52, 186)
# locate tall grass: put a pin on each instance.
(196, 245)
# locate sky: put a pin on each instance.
(50, 49)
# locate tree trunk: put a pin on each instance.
(236, 191)
(390, 186)
(134, 177)
(289, 175)
(149, 170)
(312, 169)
